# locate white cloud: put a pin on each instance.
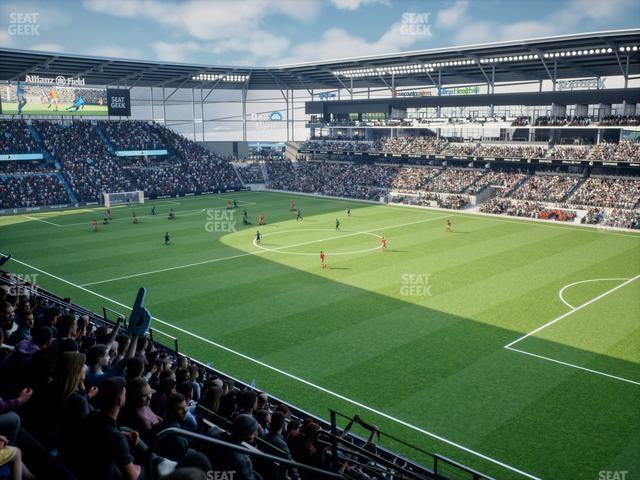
(453, 15)
(174, 52)
(47, 47)
(337, 43)
(216, 27)
(356, 4)
(6, 40)
(567, 18)
(208, 20)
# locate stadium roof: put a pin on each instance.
(596, 54)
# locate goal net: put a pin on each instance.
(120, 198)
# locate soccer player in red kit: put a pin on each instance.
(383, 244)
(94, 225)
(322, 258)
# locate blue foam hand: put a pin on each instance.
(140, 318)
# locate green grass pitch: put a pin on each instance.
(413, 338)
(40, 109)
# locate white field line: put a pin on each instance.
(298, 379)
(167, 202)
(186, 213)
(564, 315)
(580, 282)
(257, 252)
(40, 220)
(597, 372)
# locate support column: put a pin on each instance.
(193, 111)
(202, 110)
(293, 115)
(244, 113)
(582, 110)
(604, 109)
(153, 116)
(558, 110)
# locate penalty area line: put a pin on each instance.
(246, 254)
(296, 378)
(41, 220)
(575, 309)
(590, 370)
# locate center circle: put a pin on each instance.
(349, 233)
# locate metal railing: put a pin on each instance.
(281, 462)
(350, 441)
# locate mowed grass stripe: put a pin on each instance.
(444, 372)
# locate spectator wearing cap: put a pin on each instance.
(304, 448)
(243, 432)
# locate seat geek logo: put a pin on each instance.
(119, 102)
(23, 24)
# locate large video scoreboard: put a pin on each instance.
(59, 95)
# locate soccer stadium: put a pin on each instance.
(307, 240)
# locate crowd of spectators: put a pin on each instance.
(622, 218)
(98, 396)
(31, 190)
(347, 145)
(25, 166)
(516, 208)
(454, 180)
(425, 145)
(594, 216)
(413, 178)
(460, 148)
(132, 135)
(546, 188)
(430, 199)
(615, 120)
(624, 151)
(91, 169)
(87, 164)
(568, 152)
(510, 151)
(250, 172)
(611, 192)
(15, 137)
(341, 179)
(505, 181)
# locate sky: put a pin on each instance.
(279, 32)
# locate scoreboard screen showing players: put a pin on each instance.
(42, 98)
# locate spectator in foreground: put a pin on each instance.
(102, 450)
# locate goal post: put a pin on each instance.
(119, 198)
